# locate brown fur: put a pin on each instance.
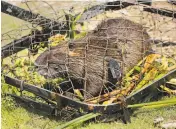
(85, 59)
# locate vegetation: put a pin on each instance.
(15, 116)
(151, 105)
(141, 119)
(21, 117)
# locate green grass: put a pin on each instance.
(17, 117)
(10, 23)
(141, 119)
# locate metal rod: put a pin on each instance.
(62, 100)
(151, 88)
(112, 108)
(115, 5)
(163, 12)
(16, 46)
(63, 28)
(26, 15)
(49, 109)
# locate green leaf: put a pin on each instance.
(78, 121)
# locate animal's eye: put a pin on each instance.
(55, 68)
(71, 45)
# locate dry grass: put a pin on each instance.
(158, 27)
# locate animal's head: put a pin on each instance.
(53, 62)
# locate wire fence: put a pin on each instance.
(84, 50)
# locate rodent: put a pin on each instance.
(86, 60)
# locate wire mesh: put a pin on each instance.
(86, 58)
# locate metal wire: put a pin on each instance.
(119, 35)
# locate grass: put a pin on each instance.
(141, 119)
(15, 116)
(18, 117)
(10, 23)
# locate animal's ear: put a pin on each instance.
(72, 53)
(115, 69)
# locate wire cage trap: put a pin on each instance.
(97, 56)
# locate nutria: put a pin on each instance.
(87, 60)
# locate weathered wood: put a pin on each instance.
(163, 12)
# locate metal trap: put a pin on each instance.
(78, 56)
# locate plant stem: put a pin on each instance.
(164, 102)
(78, 121)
